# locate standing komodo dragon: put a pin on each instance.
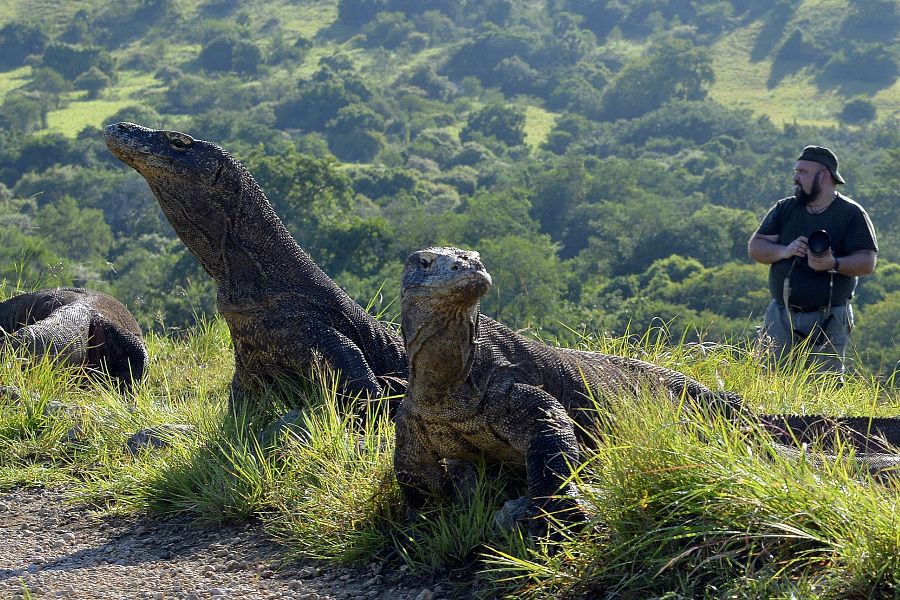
(77, 327)
(280, 307)
(479, 390)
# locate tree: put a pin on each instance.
(18, 40)
(80, 234)
(858, 110)
(71, 60)
(528, 281)
(877, 334)
(228, 53)
(24, 112)
(93, 81)
(507, 124)
(673, 69)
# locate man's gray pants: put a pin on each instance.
(784, 331)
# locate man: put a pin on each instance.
(812, 281)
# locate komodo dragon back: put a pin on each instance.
(78, 327)
(282, 310)
(479, 390)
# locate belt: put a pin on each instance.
(809, 309)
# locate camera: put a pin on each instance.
(818, 243)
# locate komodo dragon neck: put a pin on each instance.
(223, 217)
(248, 251)
(440, 346)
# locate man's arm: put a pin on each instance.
(858, 263)
(765, 249)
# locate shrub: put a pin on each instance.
(858, 110)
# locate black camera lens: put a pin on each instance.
(818, 242)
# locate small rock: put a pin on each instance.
(295, 586)
(287, 424)
(68, 537)
(307, 572)
(53, 407)
(159, 436)
(4, 507)
(10, 392)
(425, 595)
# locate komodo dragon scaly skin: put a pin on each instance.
(479, 390)
(280, 307)
(77, 327)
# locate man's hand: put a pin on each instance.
(797, 248)
(820, 263)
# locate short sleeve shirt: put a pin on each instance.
(850, 229)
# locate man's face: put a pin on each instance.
(808, 180)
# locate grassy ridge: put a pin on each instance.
(682, 503)
(742, 62)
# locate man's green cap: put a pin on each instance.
(825, 157)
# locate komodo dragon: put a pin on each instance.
(479, 390)
(78, 327)
(280, 307)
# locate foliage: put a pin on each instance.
(583, 146)
(498, 121)
(72, 60)
(227, 53)
(18, 40)
(672, 69)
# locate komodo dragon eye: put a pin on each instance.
(180, 142)
(425, 262)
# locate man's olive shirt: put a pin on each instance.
(850, 229)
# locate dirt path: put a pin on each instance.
(60, 551)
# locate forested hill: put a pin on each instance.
(609, 159)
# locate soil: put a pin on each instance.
(50, 548)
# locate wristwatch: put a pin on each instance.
(837, 263)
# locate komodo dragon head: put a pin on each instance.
(452, 276)
(439, 284)
(207, 195)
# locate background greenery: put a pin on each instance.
(608, 159)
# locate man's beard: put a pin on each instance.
(814, 190)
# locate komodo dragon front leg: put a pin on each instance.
(538, 426)
(335, 348)
(522, 424)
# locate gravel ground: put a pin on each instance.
(57, 550)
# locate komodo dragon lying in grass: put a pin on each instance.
(479, 390)
(280, 307)
(78, 327)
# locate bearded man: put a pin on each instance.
(818, 243)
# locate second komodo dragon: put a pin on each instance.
(77, 327)
(280, 307)
(478, 390)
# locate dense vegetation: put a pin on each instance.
(608, 159)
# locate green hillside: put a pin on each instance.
(741, 78)
(592, 140)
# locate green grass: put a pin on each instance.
(81, 112)
(685, 505)
(744, 83)
(11, 80)
(538, 125)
